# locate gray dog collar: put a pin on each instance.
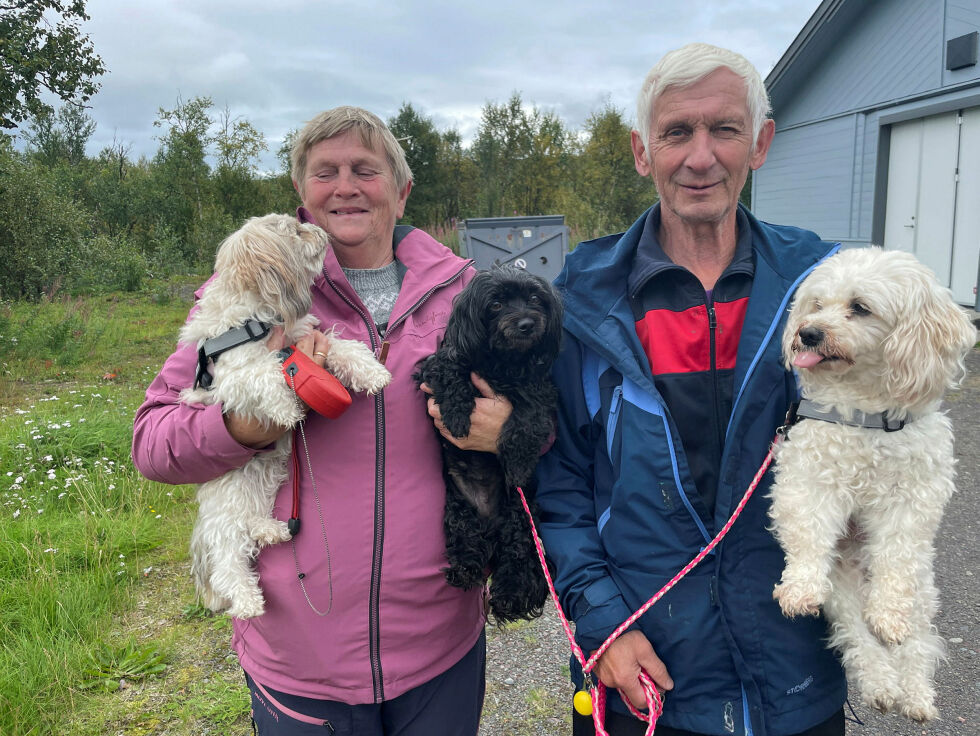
(879, 420)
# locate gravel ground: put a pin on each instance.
(528, 691)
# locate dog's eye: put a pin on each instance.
(534, 300)
(496, 306)
(859, 309)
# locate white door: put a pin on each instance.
(920, 208)
(933, 206)
(966, 233)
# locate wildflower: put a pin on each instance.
(16, 513)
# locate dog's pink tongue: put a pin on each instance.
(807, 359)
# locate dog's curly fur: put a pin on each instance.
(264, 272)
(506, 327)
(855, 509)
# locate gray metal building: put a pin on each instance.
(877, 109)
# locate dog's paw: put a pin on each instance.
(890, 626)
(247, 606)
(882, 700)
(462, 577)
(355, 366)
(919, 709)
(798, 599)
(457, 422)
(269, 531)
(371, 380)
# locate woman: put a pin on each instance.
(361, 632)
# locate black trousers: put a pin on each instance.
(620, 725)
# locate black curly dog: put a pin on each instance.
(506, 327)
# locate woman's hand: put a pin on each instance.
(252, 433)
(488, 417)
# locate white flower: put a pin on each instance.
(19, 479)
(16, 513)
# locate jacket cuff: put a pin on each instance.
(221, 445)
(605, 610)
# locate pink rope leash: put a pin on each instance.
(597, 690)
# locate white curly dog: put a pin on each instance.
(860, 484)
(264, 272)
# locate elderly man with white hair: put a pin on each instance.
(671, 391)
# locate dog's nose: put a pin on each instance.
(811, 336)
(525, 325)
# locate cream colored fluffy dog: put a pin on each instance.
(264, 273)
(873, 338)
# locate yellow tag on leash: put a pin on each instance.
(582, 702)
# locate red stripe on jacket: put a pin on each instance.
(680, 342)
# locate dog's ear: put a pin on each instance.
(924, 354)
(264, 261)
(467, 331)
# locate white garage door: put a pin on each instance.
(933, 206)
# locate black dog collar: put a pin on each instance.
(251, 331)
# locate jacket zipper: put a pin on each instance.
(719, 431)
(374, 599)
(374, 605)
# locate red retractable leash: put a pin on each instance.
(592, 700)
(322, 392)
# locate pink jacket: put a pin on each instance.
(371, 548)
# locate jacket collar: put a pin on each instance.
(427, 262)
(595, 280)
(650, 259)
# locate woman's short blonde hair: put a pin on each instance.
(374, 134)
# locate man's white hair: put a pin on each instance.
(690, 64)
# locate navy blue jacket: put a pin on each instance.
(615, 495)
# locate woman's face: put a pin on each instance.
(350, 191)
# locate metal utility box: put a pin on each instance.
(537, 243)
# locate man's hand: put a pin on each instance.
(620, 667)
(488, 417)
(252, 433)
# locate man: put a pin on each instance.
(671, 391)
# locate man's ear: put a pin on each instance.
(762, 144)
(640, 159)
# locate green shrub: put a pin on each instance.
(40, 228)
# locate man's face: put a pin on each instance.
(700, 148)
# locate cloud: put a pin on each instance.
(279, 64)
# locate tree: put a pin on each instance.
(60, 137)
(606, 180)
(237, 147)
(36, 56)
(521, 157)
(421, 143)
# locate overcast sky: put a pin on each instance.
(279, 62)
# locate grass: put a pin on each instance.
(86, 542)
